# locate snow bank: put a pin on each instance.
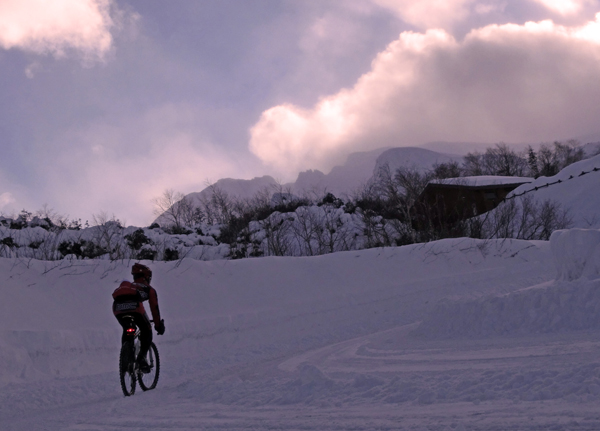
(576, 253)
(571, 302)
(544, 309)
(56, 319)
(35, 355)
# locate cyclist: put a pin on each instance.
(128, 301)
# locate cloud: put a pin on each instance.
(532, 82)
(6, 199)
(120, 167)
(42, 26)
(564, 7)
(176, 163)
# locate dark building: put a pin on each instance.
(454, 199)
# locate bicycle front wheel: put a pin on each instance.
(149, 380)
(127, 368)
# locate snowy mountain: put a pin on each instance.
(342, 180)
(235, 187)
(358, 170)
(420, 159)
(360, 167)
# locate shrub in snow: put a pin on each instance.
(308, 231)
(137, 239)
(8, 242)
(146, 253)
(171, 254)
(81, 249)
(524, 218)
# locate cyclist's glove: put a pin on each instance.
(160, 328)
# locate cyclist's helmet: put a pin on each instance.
(141, 271)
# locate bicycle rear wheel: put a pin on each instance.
(127, 368)
(149, 380)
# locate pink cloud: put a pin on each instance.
(564, 7)
(54, 26)
(121, 167)
(531, 82)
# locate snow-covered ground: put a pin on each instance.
(458, 334)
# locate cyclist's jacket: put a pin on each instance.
(129, 298)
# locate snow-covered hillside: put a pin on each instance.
(323, 343)
(234, 187)
(575, 188)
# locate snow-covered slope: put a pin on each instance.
(575, 187)
(321, 343)
(572, 302)
(54, 313)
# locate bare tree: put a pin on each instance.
(550, 216)
(305, 231)
(331, 235)
(499, 223)
(446, 170)
(472, 164)
(175, 208)
(217, 206)
(277, 229)
(501, 160)
(385, 186)
(497, 160)
(374, 200)
(526, 219)
(568, 153)
(551, 159)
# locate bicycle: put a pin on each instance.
(129, 373)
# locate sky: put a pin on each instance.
(105, 104)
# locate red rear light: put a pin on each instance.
(130, 330)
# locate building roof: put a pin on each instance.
(481, 181)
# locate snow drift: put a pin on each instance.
(570, 302)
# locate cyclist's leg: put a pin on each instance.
(145, 334)
(121, 318)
